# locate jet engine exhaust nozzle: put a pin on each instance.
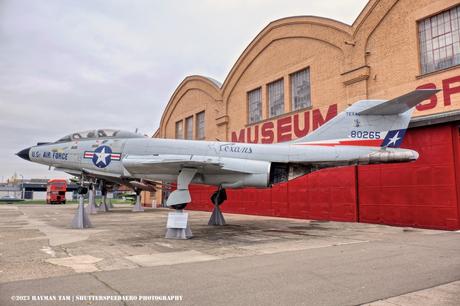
(389, 157)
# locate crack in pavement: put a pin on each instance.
(108, 286)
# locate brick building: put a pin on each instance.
(299, 72)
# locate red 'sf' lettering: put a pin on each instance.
(433, 101)
(448, 90)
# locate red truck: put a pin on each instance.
(55, 191)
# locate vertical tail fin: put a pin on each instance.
(370, 122)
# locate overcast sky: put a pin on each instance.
(74, 65)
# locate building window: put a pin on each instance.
(300, 89)
(276, 98)
(189, 128)
(439, 40)
(255, 105)
(179, 130)
(200, 126)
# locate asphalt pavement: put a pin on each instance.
(124, 260)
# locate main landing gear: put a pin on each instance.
(217, 198)
(103, 207)
(177, 226)
(179, 206)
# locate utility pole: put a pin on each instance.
(22, 186)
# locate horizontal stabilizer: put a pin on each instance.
(400, 104)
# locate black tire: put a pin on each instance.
(179, 206)
(82, 190)
(219, 196)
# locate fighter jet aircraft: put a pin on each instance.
(367, 132)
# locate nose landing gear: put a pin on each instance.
(92, 208)
(81, 219)
(103, 207)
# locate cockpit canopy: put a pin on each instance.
(102, 133)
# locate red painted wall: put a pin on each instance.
(424, 193)
(419, 194)
(329, 194)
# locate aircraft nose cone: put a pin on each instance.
(24, 154)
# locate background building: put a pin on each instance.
(299, 72)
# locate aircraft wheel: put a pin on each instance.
(179, 206)
(82, 190)
(219, 196)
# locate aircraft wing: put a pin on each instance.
(173, 163)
